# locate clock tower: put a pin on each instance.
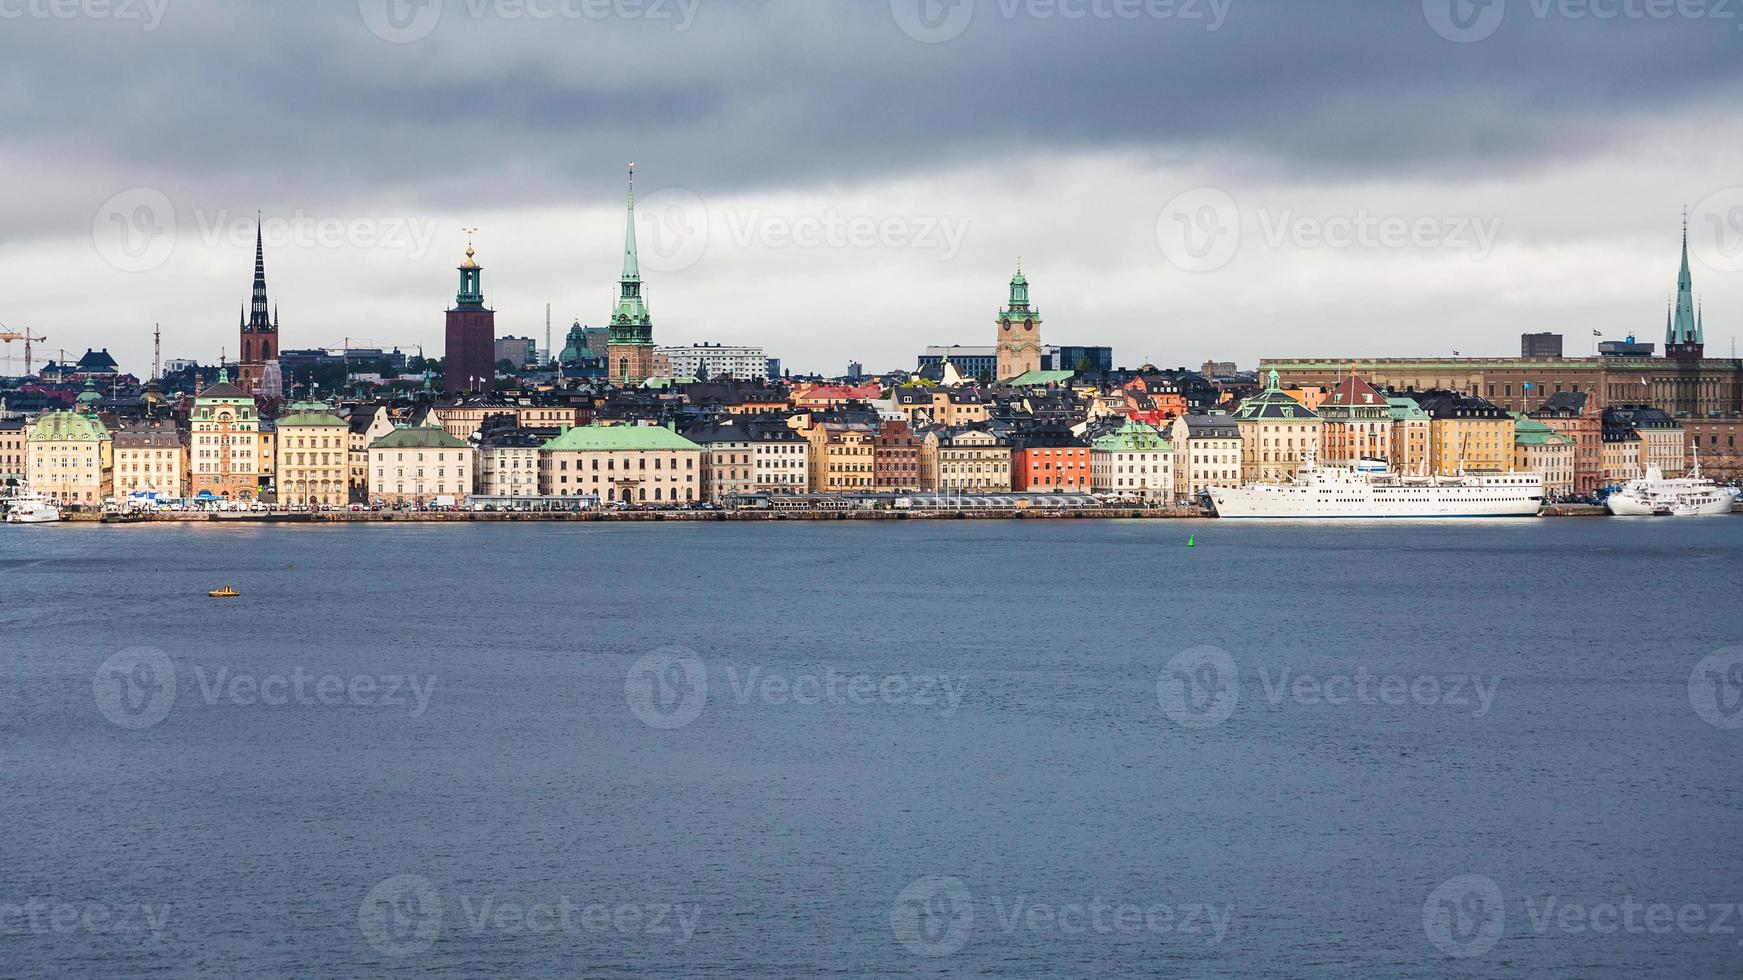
(1019, 347)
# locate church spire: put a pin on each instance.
(631, 264)
(1683, 337)
(258, 319)
(630, 323)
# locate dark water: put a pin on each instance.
(987, 779)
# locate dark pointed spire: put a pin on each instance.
(257, 308)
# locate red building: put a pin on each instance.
(1049, 460)
(896, 457)
(470, 356)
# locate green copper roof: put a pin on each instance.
(1133, 437)
(1028, 378)
(306, 414)
(418, 437)
(619, 438)
(1404, 409)
(1527, 431)
(1273, 403)
(67, 427)
(664, 382)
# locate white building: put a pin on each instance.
(1207, 453)
(713, 360)
(1134, 460)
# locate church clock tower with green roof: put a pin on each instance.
(1019, 348)
(631, 349)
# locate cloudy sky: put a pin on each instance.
(1183, 179)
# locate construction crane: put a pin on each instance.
(9, 336)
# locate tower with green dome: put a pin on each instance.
(1019, 341)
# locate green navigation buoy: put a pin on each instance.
(1192, 540)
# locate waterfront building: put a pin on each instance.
(70, 457)
(150, 458)
(895, 457)
(224, 446)
(1049, 459)
(469, 362)
(1467, 434)
(1355, 423)
(1410, 437)
(639, 464)
(965, 460)
(258, 330)
(413, 466)
(1662, 440)
(313, 457)
(1019, 332)
(1278, 434)
(631, 348)
(783, 456)
(728, 459)
(1620, 461)
(1539, 449)
(1207, 453)
(1134, 460)
(710, 361)
(266, 451)
(1573, 415)
(509, 462)
(843, 456)
(366, 424)
(14, 443)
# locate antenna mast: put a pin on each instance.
(156, 351)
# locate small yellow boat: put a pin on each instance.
(227, 592)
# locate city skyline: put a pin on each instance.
(880, 235)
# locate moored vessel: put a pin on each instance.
(1369, 490)
(1654, 495)
(31, 507)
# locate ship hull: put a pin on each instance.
(1356, 502)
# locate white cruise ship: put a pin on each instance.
(1655, 496)
(31, 508)
(1370, 491)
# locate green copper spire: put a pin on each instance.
(630, 323)
(471, 294)
(1684, 328)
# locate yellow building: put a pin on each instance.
(1411, 431)
(224, 447)
(636, 464)
(415, 466)
(965, 460)
(1278, 434)
(1467, 434)
(1207, 453)
(150, 458)
(313, 465)
(842, 457)
(366, 424)
(70, 457)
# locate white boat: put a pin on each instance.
(31, 508)
(1369, 490)
(1655, 496)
